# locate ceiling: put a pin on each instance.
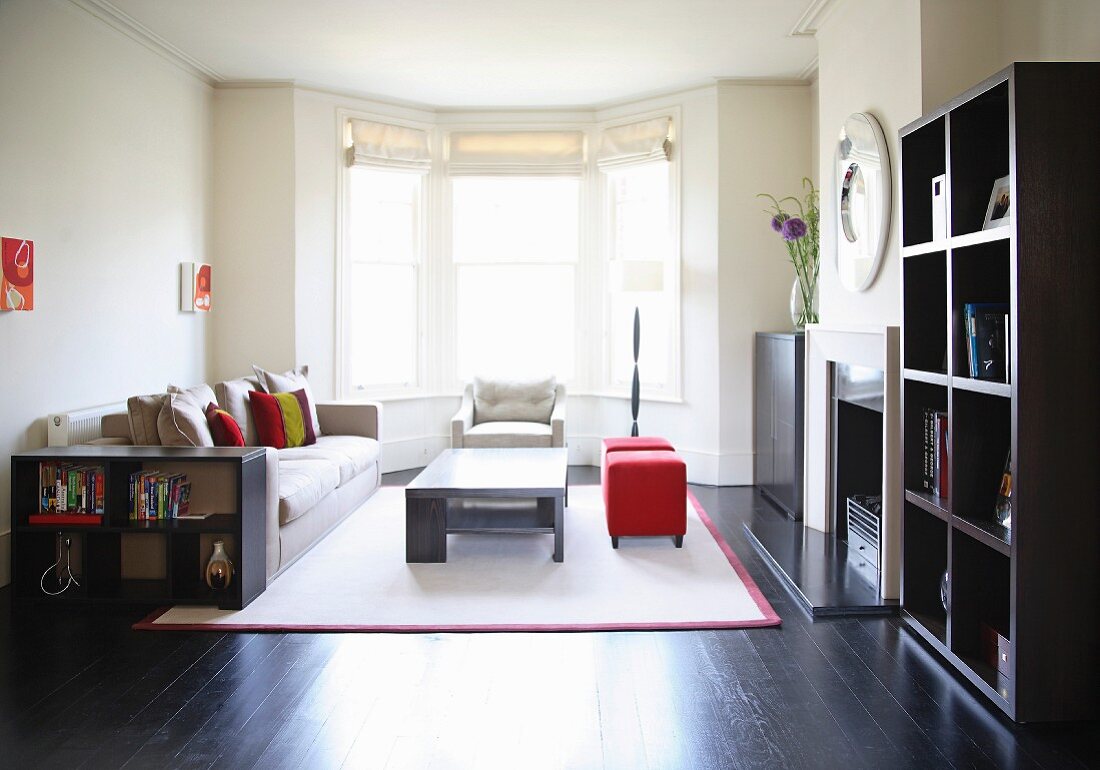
(485, 53)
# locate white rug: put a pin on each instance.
(356, 579)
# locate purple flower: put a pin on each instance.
(793, 229)
(777, 222)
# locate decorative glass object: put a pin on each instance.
(800, 233)
(945, 591)
(219, 570)
(800, 316)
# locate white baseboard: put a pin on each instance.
(711, 468)
(403, 454)
(5, 558)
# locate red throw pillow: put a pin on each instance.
(223, 427)
(268, 418)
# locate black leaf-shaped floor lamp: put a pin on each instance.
(638, 276)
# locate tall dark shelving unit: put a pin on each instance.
(1036, 584)
(228, 483)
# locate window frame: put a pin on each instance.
(424, 214)
(672, 390)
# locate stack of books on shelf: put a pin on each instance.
(69, 494)
(155, 495)
(934, 468)
(987, 340)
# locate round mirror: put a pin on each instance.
(863, 200)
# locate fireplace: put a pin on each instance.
(856, 501)
(852, 437)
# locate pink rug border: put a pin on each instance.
(770, 617)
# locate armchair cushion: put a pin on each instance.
(508, 434)
(513, 400)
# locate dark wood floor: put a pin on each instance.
(80, 689)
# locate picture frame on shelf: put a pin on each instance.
(998, 211)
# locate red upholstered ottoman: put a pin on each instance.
(645, 493)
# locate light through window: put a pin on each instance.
(515, 245)
(381, 291)
(639, 226)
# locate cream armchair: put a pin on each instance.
(507, 413)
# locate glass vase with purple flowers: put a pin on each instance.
(796, 221)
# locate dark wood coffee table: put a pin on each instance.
(438, 501)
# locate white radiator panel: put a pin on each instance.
(79, 426)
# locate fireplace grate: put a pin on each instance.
(865, 526)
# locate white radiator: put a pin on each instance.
(79, 426)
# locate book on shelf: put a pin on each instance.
(935, 461)
(155, 495)
(986, 339)
(68, 488)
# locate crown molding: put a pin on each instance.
(767, 81)
(138, 32)
(258, 83)
(812, 18)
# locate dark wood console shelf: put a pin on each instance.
(1035, 584)
(147, 562)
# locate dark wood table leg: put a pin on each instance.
(425, 529)
(559, 529)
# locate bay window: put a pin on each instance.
(512, 268)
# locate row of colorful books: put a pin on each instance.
(156, 495)
(935, 463)
(69, 488)
(987, 340)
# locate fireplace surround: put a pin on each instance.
(837, 423)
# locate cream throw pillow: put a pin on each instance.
(233, 398)
(143, 412)
(182, 420)
(288, 382)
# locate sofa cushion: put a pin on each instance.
(223, 427)
(351, 454)
(490, 435)
(143, 412)
(233, 397)
(182, 420)
(303, 484)
(513, 400)
(288, 382)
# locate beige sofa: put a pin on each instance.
(310, 489)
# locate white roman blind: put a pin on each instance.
(635, 143)
(383, 145)
(522, 153)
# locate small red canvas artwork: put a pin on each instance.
(203, 287)
(17, 286)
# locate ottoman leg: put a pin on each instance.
(614, 541)
(679, 541)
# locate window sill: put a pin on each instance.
(422, 395)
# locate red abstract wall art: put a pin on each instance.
(17, 286)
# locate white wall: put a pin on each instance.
(1057, 30)
(254, 218)
(105, 158)
(924, 52)
(764, 147)
(885, 80)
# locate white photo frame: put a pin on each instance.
(999, 210)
